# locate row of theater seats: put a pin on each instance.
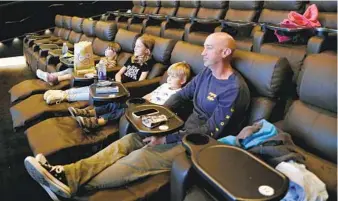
(266, 76)
(192, 21)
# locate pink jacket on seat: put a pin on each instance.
(308, 19)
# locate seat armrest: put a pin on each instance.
(258, 39)
(206, 21)
(279, 27)
(180, 19)
(124, 127)
(181, 177)
(158, 17)
(140, 16)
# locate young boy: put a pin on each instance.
(178, 74)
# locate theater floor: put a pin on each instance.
(15, 183)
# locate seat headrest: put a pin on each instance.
(77, 24)
(162, 48)
(285, 5)
(317, 82)
(325, 6)
(153, 3)
(214, 4)
(264, 74)
(126, 39)
(88, 27)
(105, 30)
(100, 46)
(245, 5)
(59, 21)
(190, 4)
(67, 22)
(189, 53)
(169, 4)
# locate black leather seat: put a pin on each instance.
(136, 22)
(74, 37)
(239, 13)
(28, 40)
(174, 27)
(122, 18)
(205, 22)
(152, 25)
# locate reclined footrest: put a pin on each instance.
(35, 86)
(35, 109)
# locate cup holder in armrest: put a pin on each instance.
(197, 139)
(136, 101)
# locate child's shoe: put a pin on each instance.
(49, 92)
(57, 98)
(88, 122)
(81, 112)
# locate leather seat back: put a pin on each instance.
(265, 76)
(168, 7)
(312, 120)
(58, 25)
(161, 54)
(152, 7)
(105, 32)
(88, 28)
(276, 11)
(67, 24)
(243, 11)
(212, 9)
(187, 9)
(138, 7)
(126, 39)
(76, 33)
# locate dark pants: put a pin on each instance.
(110, 111)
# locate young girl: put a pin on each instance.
(135, 69)
(178, 74)
(109, 60)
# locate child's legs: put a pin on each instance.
(110, 111)
(77, 90)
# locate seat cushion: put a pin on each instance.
(27, 88)
(153, 30)
(150, 188)
(35, 109)
(197, 38)
(295, 54)
(65, 134)
(324, 170)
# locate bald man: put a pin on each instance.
(220, 98)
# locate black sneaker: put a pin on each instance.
(50, 176)
(81, 112)
(88, 122)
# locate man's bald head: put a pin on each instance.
(224, 40)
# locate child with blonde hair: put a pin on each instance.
(178, 75)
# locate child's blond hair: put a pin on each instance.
(180, 69)
(149, 43)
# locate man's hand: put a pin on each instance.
(152, 140)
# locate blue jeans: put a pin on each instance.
(110, 111)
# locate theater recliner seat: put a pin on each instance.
(28, 40)
(136, 24)
(122, 19)
(243, 11)
(153, 25)
(174, 27)
(196, 32)
(312, 120)
(64, 35)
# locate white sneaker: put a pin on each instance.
(57, 98)
(42, 75)
(49, 92)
